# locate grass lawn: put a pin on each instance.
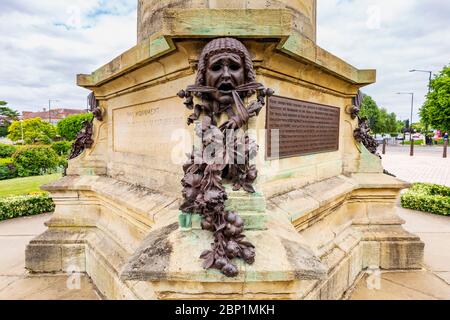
(23, 186)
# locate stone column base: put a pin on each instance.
(136, 250)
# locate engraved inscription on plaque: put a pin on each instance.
(146, 129)
(304, 128)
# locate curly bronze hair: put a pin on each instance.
(221, 45)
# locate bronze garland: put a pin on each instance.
(362, 133)
(225, 77)
(84, 139)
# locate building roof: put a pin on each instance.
(56, 114)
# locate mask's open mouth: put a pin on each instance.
(226, 87)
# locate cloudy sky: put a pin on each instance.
(44, 44)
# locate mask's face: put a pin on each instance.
(225, 71)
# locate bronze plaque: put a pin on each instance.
(304, 128)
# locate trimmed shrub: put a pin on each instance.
(416, 143)
(4, 130)
(22, 206)
(62, 148)
(426, 197)
(7, 169)
(69, 127)
(6, 150)
(63, 162)
(35, 161)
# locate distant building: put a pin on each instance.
(3, 120)
(54, 116)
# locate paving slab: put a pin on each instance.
(437, 251)
(15, 281)
(388, 290)
(26, 226)
(7, 280)
(422, 222)
(427, 165)
(49, 288)
(444, 276)
(12, 257)
(432, 284)
(424, 282)
(434, 281)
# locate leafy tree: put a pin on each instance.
(3, 130)
(69, 127)
(407, 127)
(34, 131)
(389, 121)
(419, 127)
(400, 126)
(380, 121)
(7, 115)
(370, 111)
(62, 148)
(436, 110)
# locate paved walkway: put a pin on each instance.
(16, 283)
(427, 165)
(433, 282)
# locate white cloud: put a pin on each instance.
(43, 47)
(412, 34)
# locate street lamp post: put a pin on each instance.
(411, 121)
(21, 130)
(431, 77)
(49, 109)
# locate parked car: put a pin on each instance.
(379, 138)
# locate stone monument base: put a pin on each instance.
(318, 240)
(324, 211)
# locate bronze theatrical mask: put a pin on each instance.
(225, 71)
(225, 78)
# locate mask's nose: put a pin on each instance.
(226, 74)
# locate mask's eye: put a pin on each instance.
(216, 67)
(235, 67)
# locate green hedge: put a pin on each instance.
(62, 148)
(7, 169)
(416, 143)
(427, 198)
(22, 206)
(35, 161)
(69, 127)
(6, 150)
